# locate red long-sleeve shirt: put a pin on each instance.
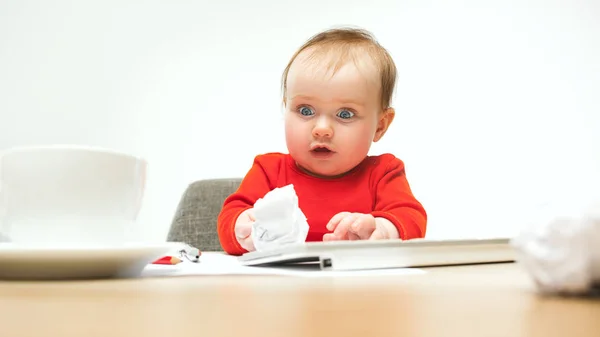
(377, 186)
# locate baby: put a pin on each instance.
(337, 91)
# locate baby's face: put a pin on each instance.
(331, 121)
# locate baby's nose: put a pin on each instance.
(322, 129)
(322, 132)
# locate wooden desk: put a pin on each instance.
(485, 300)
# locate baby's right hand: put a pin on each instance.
(243, 229)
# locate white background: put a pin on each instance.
(498, 101)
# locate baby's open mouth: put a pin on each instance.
(321, 149)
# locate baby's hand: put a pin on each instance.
(243, 229)
(358, 226)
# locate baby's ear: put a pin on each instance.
(385, 119)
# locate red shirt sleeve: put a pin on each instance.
(253, 187)
(396, 202)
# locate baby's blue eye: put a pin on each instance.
(305, 111)
(345, 114)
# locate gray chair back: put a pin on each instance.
(195, 220)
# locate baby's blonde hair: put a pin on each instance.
(349, 43)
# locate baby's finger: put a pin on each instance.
(251, 215)
(363, 227)
(329, 237)
(248, 244)
(353, 237)
(243, 231)
(378, 234)
(335, 220)
(341, 230)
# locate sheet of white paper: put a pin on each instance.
(221, 264)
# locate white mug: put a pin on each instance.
(66, 195)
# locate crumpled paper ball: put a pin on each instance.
(560, 247)
(279, 220)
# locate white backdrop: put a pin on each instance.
(497, 101)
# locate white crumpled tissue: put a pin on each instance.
(279, 220)
(560, 249)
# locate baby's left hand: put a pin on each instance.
(358, 226)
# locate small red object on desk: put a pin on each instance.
(167, 260)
